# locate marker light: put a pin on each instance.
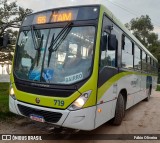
(99, 110)
(80, 102)
(12, 93)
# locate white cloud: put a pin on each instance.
(157, 30)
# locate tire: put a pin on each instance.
(120, 111)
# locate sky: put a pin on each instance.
(124, 10)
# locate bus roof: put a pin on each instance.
(114, 19)
(74, 6)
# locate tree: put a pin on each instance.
(11, 16)
(142, 29)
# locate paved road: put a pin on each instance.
(144, 118)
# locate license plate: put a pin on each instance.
(37, 118)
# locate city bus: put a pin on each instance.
(79, 67)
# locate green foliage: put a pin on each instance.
(4, 102)
(4, 89)
(158, 87)
(143, 28)
(11, 16)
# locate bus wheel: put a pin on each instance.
(120, 110)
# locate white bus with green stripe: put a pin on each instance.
(79, 67)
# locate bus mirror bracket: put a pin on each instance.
(112, 42)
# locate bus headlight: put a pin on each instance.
(79, 103)
(11, 93)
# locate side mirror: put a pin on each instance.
(104, 43)
(112, 42)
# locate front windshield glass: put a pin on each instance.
(70, 60)
(28, 58)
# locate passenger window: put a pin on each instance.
(148, 64)
(127, 56)
(108, 57)
(152, 65)
(104, 52)
(155, 67)
(144, 61)
(137, 58)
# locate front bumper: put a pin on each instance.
(82, 119)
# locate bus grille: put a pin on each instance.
(48, 116)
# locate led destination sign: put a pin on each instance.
(41, 19)
(59, 17)
(62, 15)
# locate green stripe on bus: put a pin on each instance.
(110, 82)
(114, 79)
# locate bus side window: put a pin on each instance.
(144, 62)
(108, 57)
(104, 47)
(137, 58)
(148, 64)
(127, 53)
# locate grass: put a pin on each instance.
(158, 87)
(4, 102)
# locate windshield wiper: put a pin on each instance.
(36, 45)
(33, 38)
(38, 53)
(39, 49)
(65, 31)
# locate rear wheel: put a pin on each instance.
(120, 111)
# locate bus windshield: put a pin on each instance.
(68, 61)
